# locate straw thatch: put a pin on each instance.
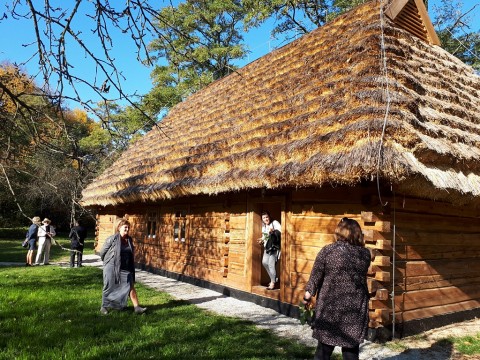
(312, 113)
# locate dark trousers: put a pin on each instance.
(79, 257)
(324, 352)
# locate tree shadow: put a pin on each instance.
(439, 350)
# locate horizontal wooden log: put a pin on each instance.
(369, 216)
(435, 297)
(327, 209)
(381, 260)
(403, 316)
(304, 252)
(385, 245)
(416, 205)
(374, 304)
(311, 239)
(206, 222)
(197, 271)
(375, 235)
(436, 238)
(314, 224)
(381, 294)
(454, 267)
(238, 222)
(435, 223)
(382, 226)
(373, 285)
(383, 276)
(302, 266)
(435, 252)
(344, 194)
(435, 281)
(236, 257)
(380, 316)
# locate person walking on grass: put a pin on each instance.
(45, 234)
(32, 239)
(77, 237)
(118, 258)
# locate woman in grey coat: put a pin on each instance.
(119, 271)
(339, 281)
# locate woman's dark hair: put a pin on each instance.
(122, 222)
(266, 213)
(349, 230)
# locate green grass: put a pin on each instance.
(51, 312)
(11, 250)
(467, 345)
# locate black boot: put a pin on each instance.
(79, 259)
(72, 258)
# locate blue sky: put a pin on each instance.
(17, 33)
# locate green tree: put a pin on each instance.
(454, 30)
(295, 17)
(197, 42)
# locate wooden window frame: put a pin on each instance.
(152, 224)
(180, 225)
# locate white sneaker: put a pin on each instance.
(103, 311)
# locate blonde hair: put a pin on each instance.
(349, 230)
(122, 222)
(36, 220)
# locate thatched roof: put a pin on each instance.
(333, 107)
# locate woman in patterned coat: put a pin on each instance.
(339, 282)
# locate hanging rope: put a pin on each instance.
(386, 92)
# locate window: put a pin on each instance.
(151, 225)
(180, 225)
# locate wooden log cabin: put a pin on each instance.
(365, 117)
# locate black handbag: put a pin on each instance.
(273, 242)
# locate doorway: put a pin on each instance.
(260, 278)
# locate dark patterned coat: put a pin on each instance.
(339, 275)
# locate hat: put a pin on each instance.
(36, 220)
(46, 221)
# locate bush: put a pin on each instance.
(13, 233)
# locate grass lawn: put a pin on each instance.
(51, 312)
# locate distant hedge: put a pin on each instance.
(13, 233)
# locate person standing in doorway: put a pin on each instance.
(271, 232)
(45, 234)
(32, 239)
(77, 238)
(339, 282)
(118, 259)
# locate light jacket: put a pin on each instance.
(42, 231)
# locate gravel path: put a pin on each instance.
(427, 346)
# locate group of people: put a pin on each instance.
(42, 233)
(338, 281)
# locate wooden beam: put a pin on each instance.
(395, 8)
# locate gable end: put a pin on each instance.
(411, 15)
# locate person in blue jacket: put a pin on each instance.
(32, 239)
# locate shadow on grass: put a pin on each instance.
(53, 313)
(439, 350)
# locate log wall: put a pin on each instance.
(213, 247)
(437, 246)
(437, 259)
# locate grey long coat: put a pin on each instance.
(339, 275)
(116, 282)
